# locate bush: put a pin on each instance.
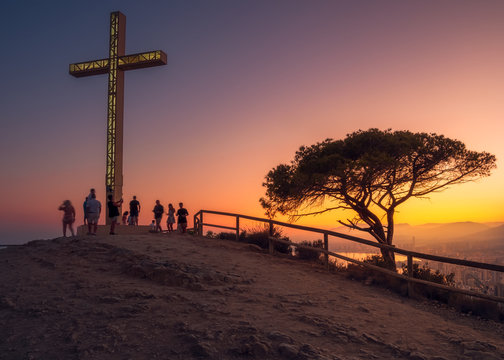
(426, 273)
(307, 254)
(226, 236)
(376, 260)
(360, 272)
(259, 236)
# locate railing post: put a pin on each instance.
(237, 228)
(270, 242)
(195, 224)
(410, 274)
(201, 224)
(326, 248)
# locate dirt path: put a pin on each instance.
(183, 297)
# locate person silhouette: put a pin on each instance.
(158, 215)
(182, 218)
(93, 211)
(171, 217)
(134, 210)
(68, 216)
(113, 209)
(125, 218)
(84, 205)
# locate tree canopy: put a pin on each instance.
(370, 172)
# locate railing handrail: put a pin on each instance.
(470, 263)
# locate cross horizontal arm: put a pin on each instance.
(94, 67)
(142, 60)
(126, 62)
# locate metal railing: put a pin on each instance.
(199, 224)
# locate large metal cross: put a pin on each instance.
(115, 65)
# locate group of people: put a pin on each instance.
(181, 214)
(92, 211)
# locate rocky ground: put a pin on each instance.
(163, 296)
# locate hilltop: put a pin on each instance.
(162, 296)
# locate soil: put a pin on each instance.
(173, 296)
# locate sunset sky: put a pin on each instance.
(247, 83)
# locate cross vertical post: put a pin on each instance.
(115, 109)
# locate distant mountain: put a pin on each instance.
(492, 234)
(450, 231)
(438, 232)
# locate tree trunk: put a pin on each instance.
(378, 232)
(389, 258)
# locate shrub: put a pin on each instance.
(259, 236)
(376, 260)
(426, 273)
(308, 254)
(226, 236)
(360, 272)
(335, 266)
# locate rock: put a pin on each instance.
(72, 338)
(202, 349)
(278, 336)
(478, 345)
(6, 303)
(109, 299)
(190, 338)
(308, 349)
(256, 248)
(371, 338)
(417, 356)
(139, 294)
(260, 349)
(363, 309)
(287, 351)
(367, 354)
(253, 346)
(480, 355)
(180, 326)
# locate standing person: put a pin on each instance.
(85, 210)
(125, 217)
(182, 218)
(68, 216)
(92, 192)
(134, 210)
(113, 212)
(93, 211)
(171, 217)
(158, 215)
